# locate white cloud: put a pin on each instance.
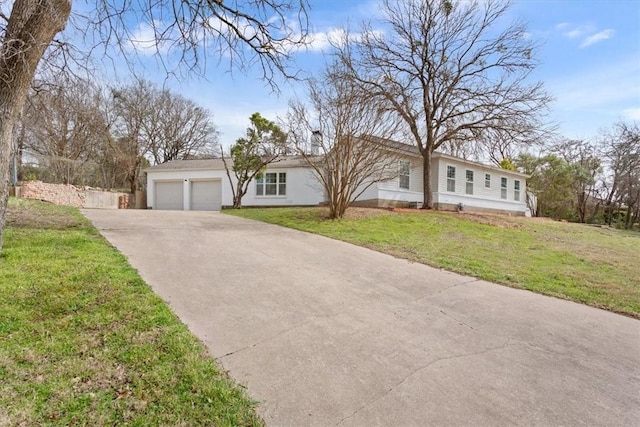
(578, 31)
(573, 31)
(322, 40)
(144, 39)
(597, 37)
(586, 32)
(631, 113)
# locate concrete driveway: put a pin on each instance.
(325, 333)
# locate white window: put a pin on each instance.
(503, 188)
(516, 190)
(271, 184)
(469, 188)
(487, 180)
(404, 173)
(451, 178)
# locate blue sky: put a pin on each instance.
(590, 64)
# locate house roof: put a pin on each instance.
(299, 161)
(188, 164)
(218, 164)
(412, 150)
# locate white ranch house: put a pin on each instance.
(455, 183)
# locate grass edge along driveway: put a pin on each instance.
(591, 265)
(86, 342)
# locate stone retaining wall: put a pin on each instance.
(71, 195)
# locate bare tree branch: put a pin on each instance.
(450, 73)
(248, 33)
(184, 35)
(342, 135)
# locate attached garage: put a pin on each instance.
(204, 185)
(169, 195)
(206, 195)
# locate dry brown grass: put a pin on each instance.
(24, 213)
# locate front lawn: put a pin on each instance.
(84, 341)
(592, 265)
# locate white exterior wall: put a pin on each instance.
(390, 189)
(302, 187)
(371, 193)
(415, 178)
(467, 201)
(434, 177)
(482, 197)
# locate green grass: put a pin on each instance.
(84, 341)
(591, 265)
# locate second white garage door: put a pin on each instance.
(206, 195)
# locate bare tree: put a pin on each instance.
(263, 144)
(89, 135)
(622, 185)
(344, 136)
(247, 32)
(133, 106)
(61, 123)
(497, 145)
(112, 171)
(177, 128)
(449, 72)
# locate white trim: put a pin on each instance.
(467, 182)
(263, 183)
(505, 188)
(455, 175)
(407, 164)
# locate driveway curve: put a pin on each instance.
(325, 333)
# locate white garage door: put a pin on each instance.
(206, 195)
(169, 196)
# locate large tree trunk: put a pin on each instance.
(31, 28)
(426, 180)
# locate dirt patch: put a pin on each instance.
(496, 220)
(364, 213)
(43, 215)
